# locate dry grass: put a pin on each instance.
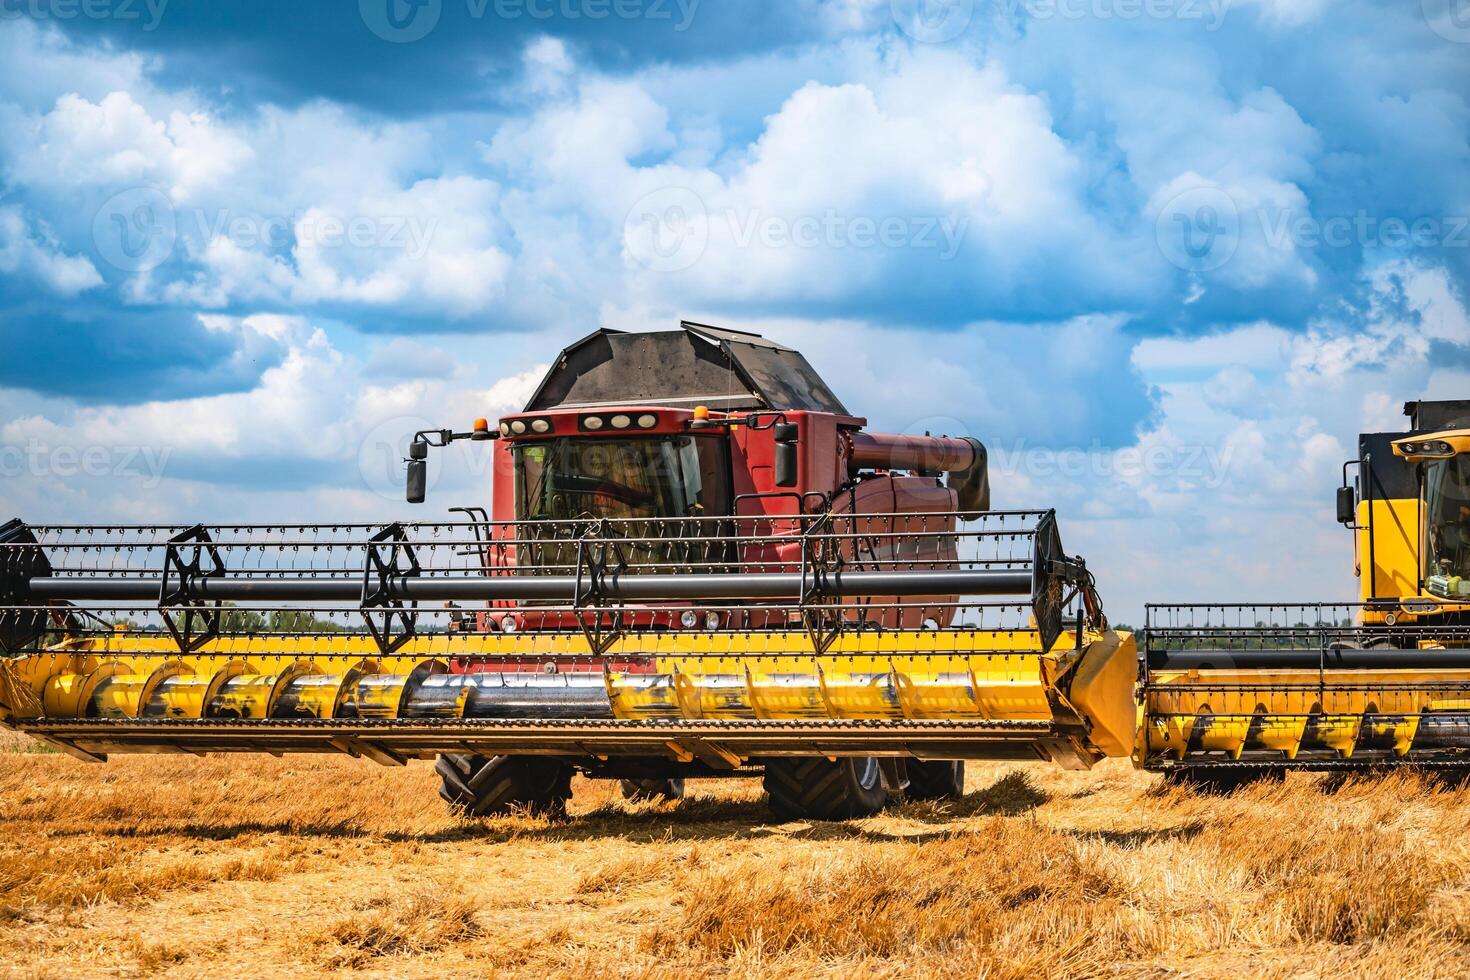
(257, 865)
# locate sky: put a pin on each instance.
(1165, 258)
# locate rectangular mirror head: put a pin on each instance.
(785, 464)
(1347, 503)
(418, 480)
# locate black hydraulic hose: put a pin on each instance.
(1307, 659)
(633, 588)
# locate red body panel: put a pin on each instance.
(826, 480)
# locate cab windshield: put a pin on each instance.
(620, 479)
(1447, 516)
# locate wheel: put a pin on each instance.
(1222, 779)
(641, 790)
(820, 789)
(935, 780)
(484, 786)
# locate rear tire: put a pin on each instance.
(819, 789)
(484, 786)
(645, 790)
(1222, 779)
(935, 780)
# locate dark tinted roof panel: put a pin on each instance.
(696, 365)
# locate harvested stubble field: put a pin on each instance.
(262, 866)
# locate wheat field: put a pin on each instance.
(258, 865)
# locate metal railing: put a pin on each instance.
(821, 576)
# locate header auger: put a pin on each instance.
(654, 648)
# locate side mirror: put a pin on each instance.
(418, 471)
(786, 458)
(1347, 505)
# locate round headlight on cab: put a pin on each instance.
(592, 422)
(540, 425)
(621, 421)
(689, 619)
(518, 427)
(647, 421)
(505, 428)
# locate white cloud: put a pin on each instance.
(116, 142)
(27, 252)
(547, 65)
(41, 62)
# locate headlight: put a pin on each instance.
(621, 421)
(508, 624)
(540, 425)
(518, 427)
(505, 428)
(711, 621)
(647, 421)
(689, 619)
(593, 422)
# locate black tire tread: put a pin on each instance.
(935, 779)
(483, 786)
(644, 790)
(819, 789)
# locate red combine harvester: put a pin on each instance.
(697, 563)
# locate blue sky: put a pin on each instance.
(1165, 257)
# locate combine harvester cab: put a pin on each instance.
(1232, 692)
(665, 590)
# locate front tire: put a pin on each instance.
(935, 780)
(645, 790)
(820, 789)
(485, 786)
(1222, 779)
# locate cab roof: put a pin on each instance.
(694, 365)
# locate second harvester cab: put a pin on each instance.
(1410, 511)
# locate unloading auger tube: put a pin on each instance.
(712, 643)
(1238, 690)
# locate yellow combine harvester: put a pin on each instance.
(1231, 692)
(700, 564)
